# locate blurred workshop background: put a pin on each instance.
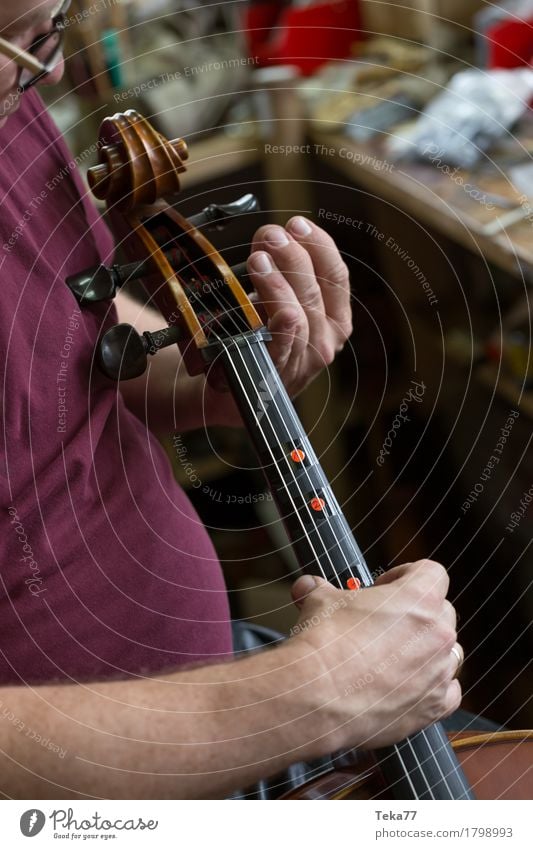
(405, 130)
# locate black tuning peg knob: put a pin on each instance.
(123, 353)
(101, 283)
(218, 215)
(97, 283)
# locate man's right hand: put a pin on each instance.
(385, 653)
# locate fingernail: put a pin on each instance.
(300, 226)
(276, 237)
(261, 263)
(307, 583)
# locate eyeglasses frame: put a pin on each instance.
(25, 59)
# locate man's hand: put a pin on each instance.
(385, 654)
(303, 291)
(301, 288)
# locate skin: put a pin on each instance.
(306, 301)
(205, 731)
(21, 23)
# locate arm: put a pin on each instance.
(203, 732)
(192, 734)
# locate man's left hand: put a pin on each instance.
(303, 291)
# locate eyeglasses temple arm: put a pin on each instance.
(21, 57)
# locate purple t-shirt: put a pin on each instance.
(105, 568)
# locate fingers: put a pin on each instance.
(330, 270)
(419, 589)
(392, 574)
(305, 585)
(448, 688)
(430, 579)
(295, 262)
(302, 286)
(301, 588)
(453, 698)
(427, 575)
(314, 591)
(449, 615)
(457, 657)
(313, 269)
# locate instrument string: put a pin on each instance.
(229, 310)
(447, 749)
(269, 397)
(348, 566)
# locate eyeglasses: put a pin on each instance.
(42, 55)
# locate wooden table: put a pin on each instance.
(429, 193)
(441, 198)
(449, 201)
(436, 197)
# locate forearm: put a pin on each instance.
(198, 733)
(205, 731)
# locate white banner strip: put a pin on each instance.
(266, 825)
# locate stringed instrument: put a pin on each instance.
(218, 330)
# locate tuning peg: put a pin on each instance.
(217, 215)
(123, 353)
(102, 282)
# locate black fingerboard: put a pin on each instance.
(424, 766)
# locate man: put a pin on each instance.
(116, 676)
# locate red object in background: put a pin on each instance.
(305, 36)
(510, 44)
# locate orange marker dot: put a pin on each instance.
(297, 455)
(318, 504)
(353, 584)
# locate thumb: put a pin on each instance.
(304, 586)
(393, 574)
